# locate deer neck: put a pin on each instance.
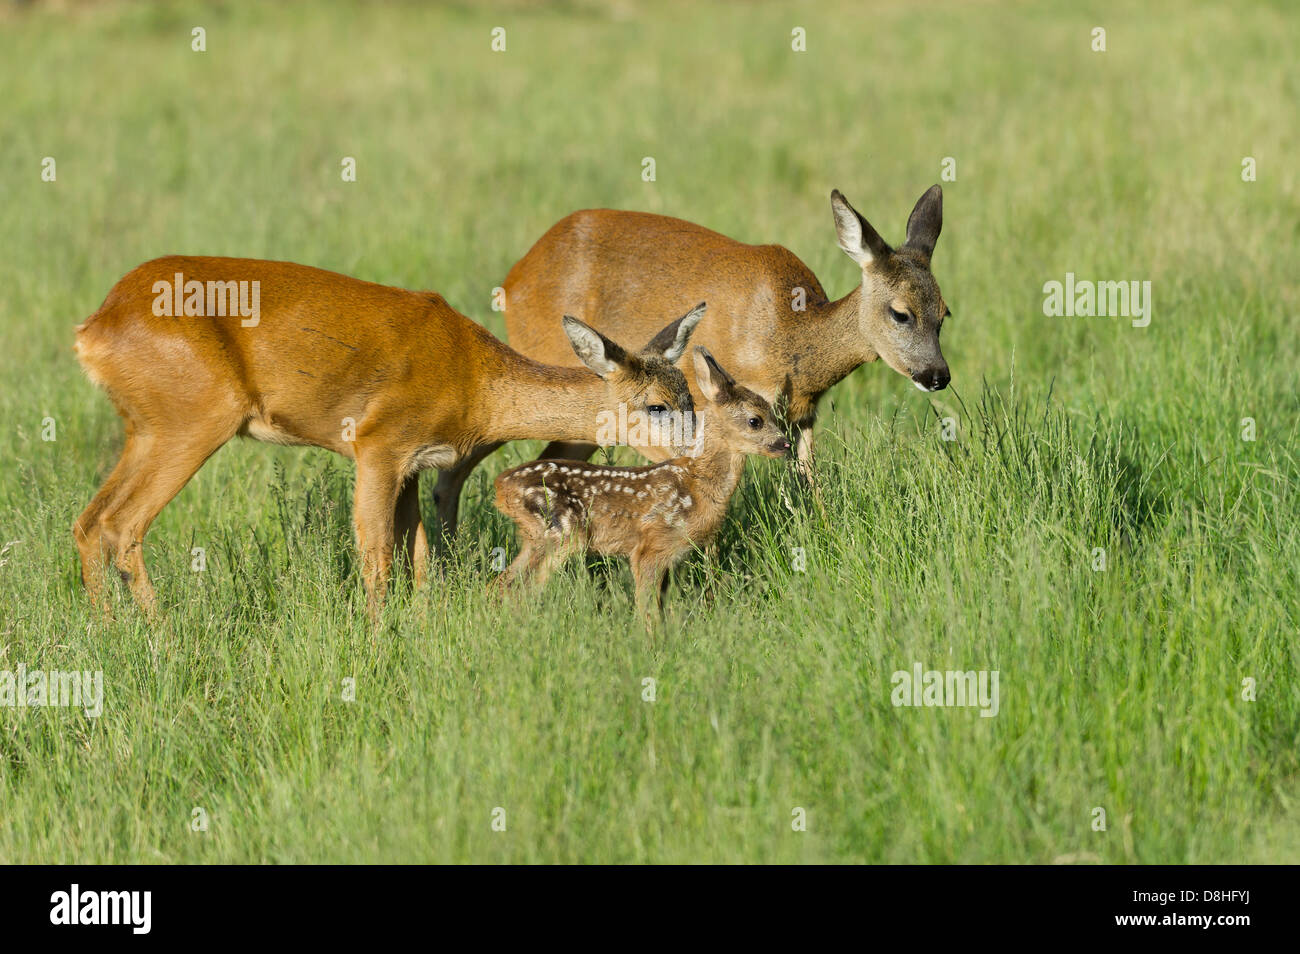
(528, 400)
(833, 347)
(715, 471)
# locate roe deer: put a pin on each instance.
(769, 322)
(397, 380)
(654, 514)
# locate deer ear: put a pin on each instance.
(926, 220)
(671, 343)
(859, 240)
(592, 348)
(715, 383)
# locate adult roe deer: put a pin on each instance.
(397, 380)
(652, 515)
(613, 269)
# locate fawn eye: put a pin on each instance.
(656, 409)
(901, 317)
(755, 422)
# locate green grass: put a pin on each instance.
(1120, 689)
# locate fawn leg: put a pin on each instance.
(549, 563)
(520, 568)
(541, 554)
(650, 571)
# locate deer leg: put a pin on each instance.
(539, 557)
(549, 563)
(412, 543)
(88, 530)
(157, 472)
(374, 506)
(650, 572)
(446, 496)
(522, 569)
(804, 453)
(709, 556)
(804, 458)
(520, 566)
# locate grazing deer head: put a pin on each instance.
(901, 309)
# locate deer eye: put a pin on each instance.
(656, 409)
(755, 422)
(901, 317)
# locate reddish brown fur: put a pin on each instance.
(653, 515)
(424, 385)
(615, 264)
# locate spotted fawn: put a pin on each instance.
(653, 515)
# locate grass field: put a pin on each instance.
(1120, 689)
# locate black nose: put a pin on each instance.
(934, 379)
(782, 446)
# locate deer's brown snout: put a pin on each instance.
(780, 448)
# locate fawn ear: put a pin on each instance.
(859, 240)
(926, 220)
(671, 342)
(716, 384)
(594, 349)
